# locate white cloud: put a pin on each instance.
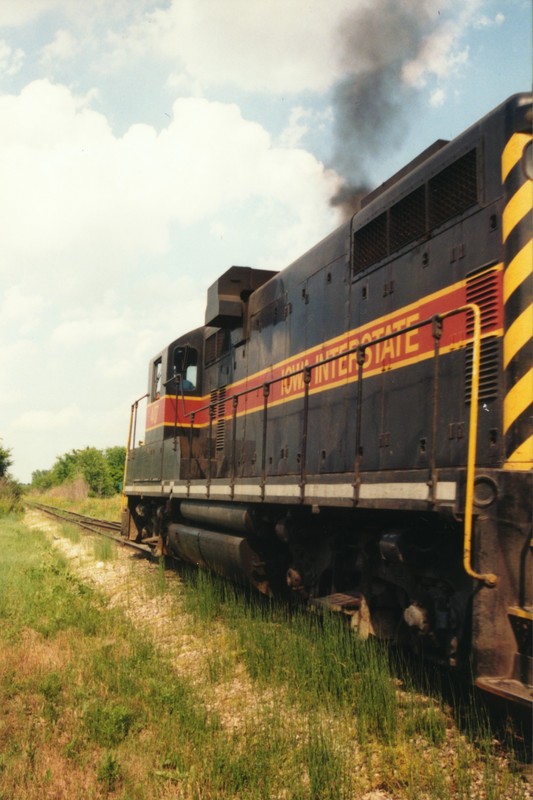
(268, 46)
(437, 98)
(298, 125)
(486, 22)
(442, 51)
(109, 243)
(81, 332)
(39, 420)
(217, 229)
(17, 357)
(95, 203)
(265, 45)
(439, 56)
(21, 308)
(17, 13)
(11, 60)
(20, 12)
(64, 46)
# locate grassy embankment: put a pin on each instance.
(91, 708)
(75, 497)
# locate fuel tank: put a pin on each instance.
(234, 517)
(226, 554)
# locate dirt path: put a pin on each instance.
(134, 584)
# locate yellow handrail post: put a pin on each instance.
(488, 578)
(124, 500)
(133, 414)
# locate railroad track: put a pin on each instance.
(102, 527)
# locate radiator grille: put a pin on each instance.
(449, 193)
(453, 190)
(370, 243)
(408, 219)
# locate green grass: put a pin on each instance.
(104, 549)
(325, 673)
(92, 709)
(71, 532)
(276, 703)
(60, 497)
(316, 657)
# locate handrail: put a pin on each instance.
(306, 372)
(266, 392)
(134, 409)
(488, 578)
(131, 427)
(359, 350)
(436, 330)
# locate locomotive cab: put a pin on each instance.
(174, 391)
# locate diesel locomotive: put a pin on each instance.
(356, 428)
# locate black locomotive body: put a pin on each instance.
(356, 428)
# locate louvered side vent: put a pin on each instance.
(218, 398)
(216, 345)
(488, 370)
(483, 291)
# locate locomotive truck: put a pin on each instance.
(355, 429)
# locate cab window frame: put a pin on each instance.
(157, 379)
(184, 365)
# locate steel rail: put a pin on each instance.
(101, 527)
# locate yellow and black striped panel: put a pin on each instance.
(517, 232)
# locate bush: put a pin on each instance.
(5, 461)
(10, 496)
(102, 470)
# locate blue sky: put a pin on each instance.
(147, 145)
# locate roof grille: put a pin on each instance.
(449, 193)
(453, 190)
(408, 219)
(370, 243)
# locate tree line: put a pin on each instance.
(102, 470)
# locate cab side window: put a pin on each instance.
(185, 367)
(157, 379)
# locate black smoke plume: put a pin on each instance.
(373, 106)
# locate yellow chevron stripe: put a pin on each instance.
(517, 399)
(518, 206)
(517, 334)
(522, 458)
(520, 268)
(513, 152)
